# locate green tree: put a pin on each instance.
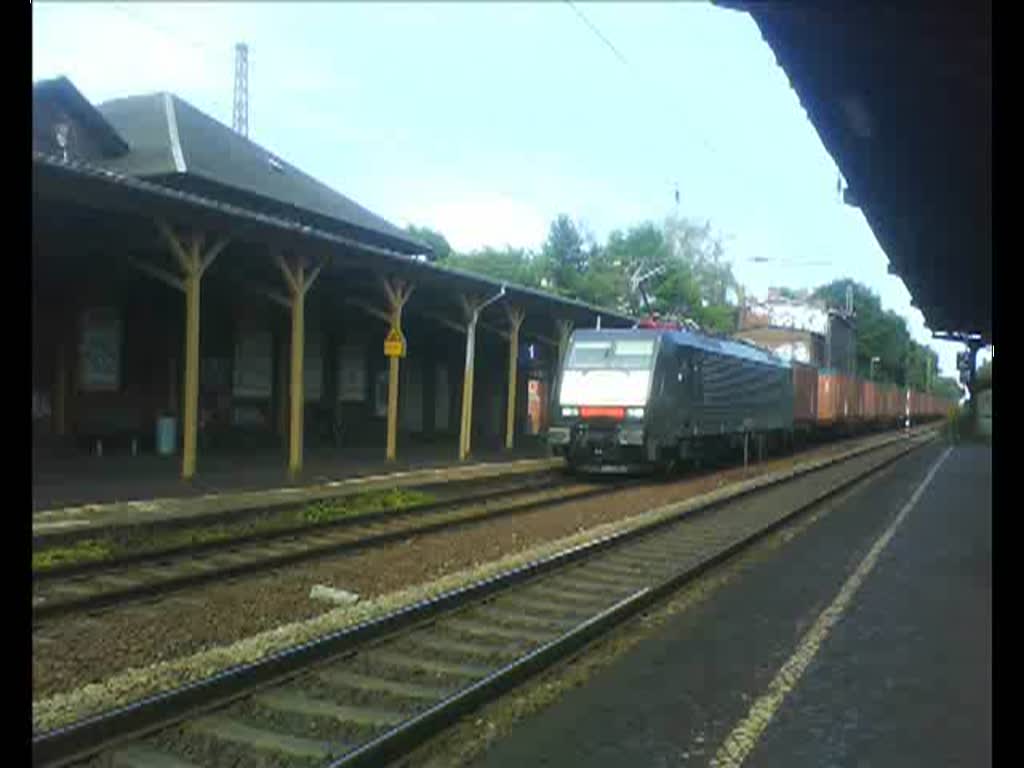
(565, 256)
(437, 242)
(513, 265)
(882, 334)
(632, 255)
(947, 387)
(682, 260)
(983, 377)
(696, 245)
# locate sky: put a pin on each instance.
(487, 120)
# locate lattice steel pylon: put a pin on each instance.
(240, 119)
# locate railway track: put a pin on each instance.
(97, 586)
(367, 695)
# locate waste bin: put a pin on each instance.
(166, 435)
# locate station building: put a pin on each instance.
(194, 295)
(801, 331)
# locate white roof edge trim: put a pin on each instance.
(172, 131)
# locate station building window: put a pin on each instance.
(252, 377)
(100, 350)
(380, 394)
(352, 374)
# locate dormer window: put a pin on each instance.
(62, 133)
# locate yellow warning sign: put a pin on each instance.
(394, 344)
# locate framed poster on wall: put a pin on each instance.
(215, 375)
(442, 398)
(100, 350)
(253, 364)
(351, 374)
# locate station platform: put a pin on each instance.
(903, 677)
(100, 492)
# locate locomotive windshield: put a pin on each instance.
(631, 354)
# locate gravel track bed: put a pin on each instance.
(174, 641)
(484, 650)
(156, 573)
(202, 749)
(306, 726)
(361, 697)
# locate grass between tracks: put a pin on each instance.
(135, 683)
(141, 541)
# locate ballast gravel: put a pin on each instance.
(85, 666)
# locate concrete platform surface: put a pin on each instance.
(241, 488)
(903, 678)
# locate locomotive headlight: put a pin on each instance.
(635, 413)
(570, 411)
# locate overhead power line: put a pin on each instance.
(597, 32)
(789, 262)
(175, 35)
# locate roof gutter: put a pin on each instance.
(86, 171)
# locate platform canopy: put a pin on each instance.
(354, 261)
(157, 156)
(901, 96)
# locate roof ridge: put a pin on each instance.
(172, 132)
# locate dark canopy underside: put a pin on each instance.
(901, 97)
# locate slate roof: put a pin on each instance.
(77, 106)
(176, 144)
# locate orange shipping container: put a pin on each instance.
(837, 398)
(859, 396)
(827, 388)
(805, 393)
(870, 405)
(893, 405)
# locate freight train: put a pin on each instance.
(657, 397)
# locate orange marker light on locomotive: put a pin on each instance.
(603, 413)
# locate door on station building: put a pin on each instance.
(496, 413)
(442, 399)
(410, 394)
(536, 399)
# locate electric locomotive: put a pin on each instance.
(648, 398)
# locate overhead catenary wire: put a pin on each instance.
(597, 32)
(694, 130)
(177, 37)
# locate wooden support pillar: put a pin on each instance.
(299, 283)
(564, 330)
(466, 421)
(298, 393)
(472, 307)
(193, 262)
(391, 449)
(190, 405)
(515, 321)
(398, 293)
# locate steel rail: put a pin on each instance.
(300, 529)
(143, 590)
(100, 732)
